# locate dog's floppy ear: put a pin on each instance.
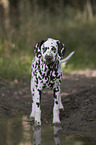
(37, 48)
(61, 49)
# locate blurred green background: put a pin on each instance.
(24, 23)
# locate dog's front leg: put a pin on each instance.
(37, 102)
(32, 115)
(56, 105)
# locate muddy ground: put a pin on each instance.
(78, 96)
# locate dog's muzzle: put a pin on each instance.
(49, 59)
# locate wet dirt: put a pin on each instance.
(78, 97)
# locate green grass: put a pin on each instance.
(16, 51)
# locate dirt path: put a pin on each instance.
(78, 97)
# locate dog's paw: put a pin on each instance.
(56, 121)
(32, 115)
(61, 106)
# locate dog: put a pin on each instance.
(47, 72)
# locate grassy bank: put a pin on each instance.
(16, 50)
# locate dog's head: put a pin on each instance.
(50, 50)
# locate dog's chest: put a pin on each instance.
(47, 75)
(50, 77)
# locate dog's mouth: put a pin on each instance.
(49, 59)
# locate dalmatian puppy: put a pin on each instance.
(47, 72)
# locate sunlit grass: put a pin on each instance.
(15, 67)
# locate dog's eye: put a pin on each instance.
(53, 49)
(44, 49)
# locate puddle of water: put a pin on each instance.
(18, 131)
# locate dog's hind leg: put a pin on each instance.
(32, 115)
(60, 103)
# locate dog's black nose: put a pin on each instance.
(48, 58)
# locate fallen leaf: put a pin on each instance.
(91, 119)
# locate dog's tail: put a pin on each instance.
(67, 58)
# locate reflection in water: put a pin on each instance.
(37, 136)
(18, 131)
(37, 132)
(56, 137)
